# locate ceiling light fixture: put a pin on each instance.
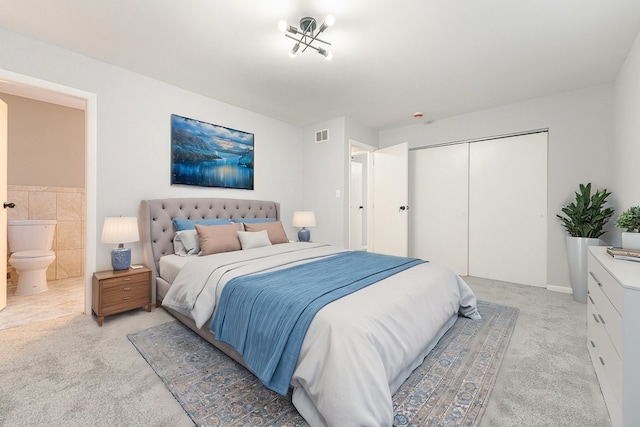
(307, 35)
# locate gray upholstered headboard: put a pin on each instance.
(157, 220)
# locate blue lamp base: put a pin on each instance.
(121, 258)
(304, 235)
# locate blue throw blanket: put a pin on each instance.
(266, 316)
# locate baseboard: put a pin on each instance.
(561, 289)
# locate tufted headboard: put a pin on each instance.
(157, 216)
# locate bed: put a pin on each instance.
(353, 353)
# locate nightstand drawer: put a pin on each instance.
(126, 280)
(128, 294)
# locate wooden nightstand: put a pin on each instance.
(122, 290)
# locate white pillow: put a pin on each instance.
(186, 243)
(254, 239)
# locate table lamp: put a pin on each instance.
(120, 230)
(304, 219)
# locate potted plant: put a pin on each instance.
(584, 220)
(629, 220)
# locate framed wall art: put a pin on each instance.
(209, 155)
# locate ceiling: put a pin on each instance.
(390, 58)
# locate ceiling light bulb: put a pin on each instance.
(282, 26)
(330, 20)
(294, 50)
(327, 54)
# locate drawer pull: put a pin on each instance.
(595, 278)
(125, 298)
(126, 279)
(596, 318)
(601, 319)
(591, 299)
(126, 289)
(593, 344)
(601, 361)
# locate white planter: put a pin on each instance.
(630, 240)
(577, 255)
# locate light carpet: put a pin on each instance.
(450, 388)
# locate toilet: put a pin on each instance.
(30, 244)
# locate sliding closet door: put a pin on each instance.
(439, 205)
(508, 209)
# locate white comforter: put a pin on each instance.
(359, 349)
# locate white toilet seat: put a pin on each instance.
(37, 253)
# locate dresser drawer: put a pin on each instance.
(609, 286)
(606, 315)
(603, 353)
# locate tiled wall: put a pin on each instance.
(67, 206)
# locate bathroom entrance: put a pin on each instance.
(46, 181)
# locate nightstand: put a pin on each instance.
(122, 290)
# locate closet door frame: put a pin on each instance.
(497, 244)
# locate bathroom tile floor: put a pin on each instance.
(64, 297)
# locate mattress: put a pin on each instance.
(170, 266)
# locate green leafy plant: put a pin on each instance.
(629, 220)
(586, 216)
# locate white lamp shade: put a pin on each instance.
(304, 219)
(121, 229)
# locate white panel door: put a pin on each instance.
(3, 199)
(356, 207)
(390, 200)
(439, 205)
(508, 209)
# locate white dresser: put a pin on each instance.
(613, 333)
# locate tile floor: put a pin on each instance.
(64, 297)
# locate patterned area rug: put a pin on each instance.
(450, 388)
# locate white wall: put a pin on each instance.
(324, 165)
(626, 150)
(133, 134)
(326, 171)
(580, 149)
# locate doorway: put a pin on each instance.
(360, 169)
(45, 181)
(25, 86)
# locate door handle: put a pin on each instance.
(9, 205)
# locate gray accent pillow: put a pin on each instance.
(186, 243)
(254, 239)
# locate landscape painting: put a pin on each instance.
(209, 155)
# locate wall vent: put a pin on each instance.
(322, 136)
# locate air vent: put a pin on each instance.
(322, 136)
